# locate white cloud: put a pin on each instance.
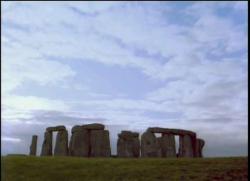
(200, 74)
(9, 139)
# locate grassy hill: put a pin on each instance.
(26, 168)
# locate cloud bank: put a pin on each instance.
(128, 65)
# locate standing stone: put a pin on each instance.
(79, 142)
(158, 146)
(168, 145)
(136, 146)
(99, 143)
(33, 145)
(149, 145)
(94, 126)
(61, 147)
(47, 144)
(199, 146)
(186, 146)
(128, 144)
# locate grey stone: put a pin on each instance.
(47, 144)
(61, 147)
(128, 144)
(79, 142)
(171, 131)
(56, 128)
(136, 146)
(99, 143)
(168, 145)
(186, 146)
(76, 128)
(94, 126)
(199, 146)
(33, 145)
(149, 145)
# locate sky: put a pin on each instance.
(128, 65)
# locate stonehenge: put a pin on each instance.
(189, 145)
(61, 147)
(89, 140)
(128, 144)
(92, 140)
(33, 145)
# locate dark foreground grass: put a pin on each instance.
(26, 168)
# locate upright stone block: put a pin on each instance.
(61, 147)
(199, 146)
(33, 145)
(168, 145)
(128, 144)
(186, 146)
(99, 143)
(47, 144)
(136, 146)
(149, 145)
(79, 142)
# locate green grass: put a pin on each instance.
(27, 168)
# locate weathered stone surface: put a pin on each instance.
(47, 144)
(33, 145)
(76, 128)
(186, 146)
(168, 145)
(94, 126)
(171, 131)
(158, 146)
(149, 145)
(61, 147)
(56, 128)
(79, 142)
(199, 146)
(128, 144)
(99, 143)
(136, 146)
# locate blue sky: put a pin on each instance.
(128, 65)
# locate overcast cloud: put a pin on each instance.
(128, 65)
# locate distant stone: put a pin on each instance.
(76, 128)
(128, 144)
(170, 131)
(94, 126)
(47, 144)
(33, 145)
(168, 145)
(56, 128)
(100, 143)
(199, 146)
(61, 147)
(79, 142)
(149, 145)
(186, 146)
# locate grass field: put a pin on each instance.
(26, 168)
